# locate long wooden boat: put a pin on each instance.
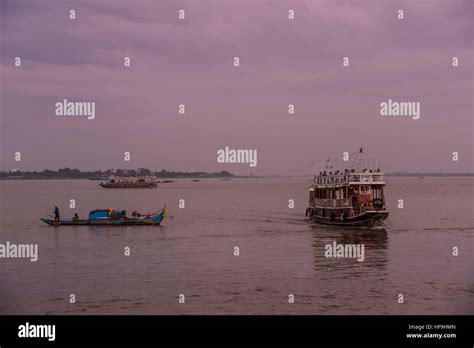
(130, 182)
(348, 197)
(111, 217)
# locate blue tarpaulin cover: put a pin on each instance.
(99, 214)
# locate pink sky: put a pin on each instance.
(282, 62)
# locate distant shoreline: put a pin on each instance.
(70, 174)
(37, 176)
(429, 174)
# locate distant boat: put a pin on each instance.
(130, 182)
(195, 180)
(112, 217)
(165, 181)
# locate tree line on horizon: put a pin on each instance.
(66, 173)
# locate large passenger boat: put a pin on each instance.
(348, 197)
(130, 182)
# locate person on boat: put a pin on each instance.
(75, 218)
(56, 214)
(354, 200)
(136, 214)
(124, 214)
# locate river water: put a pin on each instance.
(280, 253)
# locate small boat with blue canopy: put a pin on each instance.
(112, 217)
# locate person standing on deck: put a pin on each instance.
(56, 214)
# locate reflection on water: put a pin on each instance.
(375, 243)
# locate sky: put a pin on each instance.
(191, 62)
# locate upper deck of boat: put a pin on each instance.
(348, 178)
